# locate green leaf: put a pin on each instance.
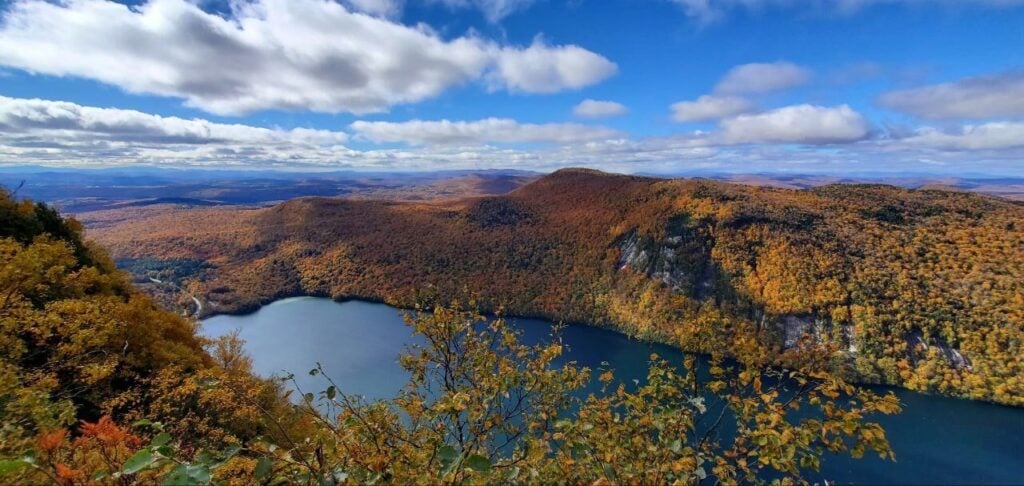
(447, 453)
(264, 466)
(205, 458)
(177, 476)
(308, 397)
(9, 466)
(331, 392)
(142, 423)
(161, 439)
(478, 463)
(187, 475)
(200, 474)
(141, 460)
(449, 458)
(229, 453)
(208, 383)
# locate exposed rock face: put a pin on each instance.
(632, 256)
(917, 340)
(794, 328)
(656, 259)
(850, 334)
(681, 260)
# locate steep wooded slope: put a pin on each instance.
(79, 344)
(924, 289)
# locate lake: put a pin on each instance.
(937, 440)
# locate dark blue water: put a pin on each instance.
(937, 440)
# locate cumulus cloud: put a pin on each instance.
(59, 133)
(710, 107)
(708, 11)
(800, 124)
(35, 131)
(489, 130)
(599, 109)
(541, 68)
(995, 135)
(998, 95)
(762, 78)
(276, 54)
(41, 120)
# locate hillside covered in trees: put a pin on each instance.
(918, 288)
(99, 385)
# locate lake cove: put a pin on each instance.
(937, 440)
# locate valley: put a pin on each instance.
(473, 242)
(915, 288)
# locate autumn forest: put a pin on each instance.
(916, 288)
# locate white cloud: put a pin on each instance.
(546, 69)
(599, 109)
(995, 135)
(997, 95)
(35, 131)
(710, 107)
(39, 120)
(275, 54)
(479, 132)
(800, 124)
(762, 78)
(708, 11)
(493, 10)
(58, 133)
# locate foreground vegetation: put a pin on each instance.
(921, 289)
(99, 385)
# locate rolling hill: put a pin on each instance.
(917, 288)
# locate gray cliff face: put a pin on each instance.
(631, 255)
(683, 263)
(816, 329)
(919, 345)
(794, 329)
(675, 261)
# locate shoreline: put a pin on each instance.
(342, 300)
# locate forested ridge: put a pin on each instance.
(918, 288)
(100, 385)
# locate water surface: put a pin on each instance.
(937, 440)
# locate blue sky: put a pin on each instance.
(674, 86)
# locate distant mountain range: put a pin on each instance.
(1008, 187)
(76, 191)
(82, 190)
